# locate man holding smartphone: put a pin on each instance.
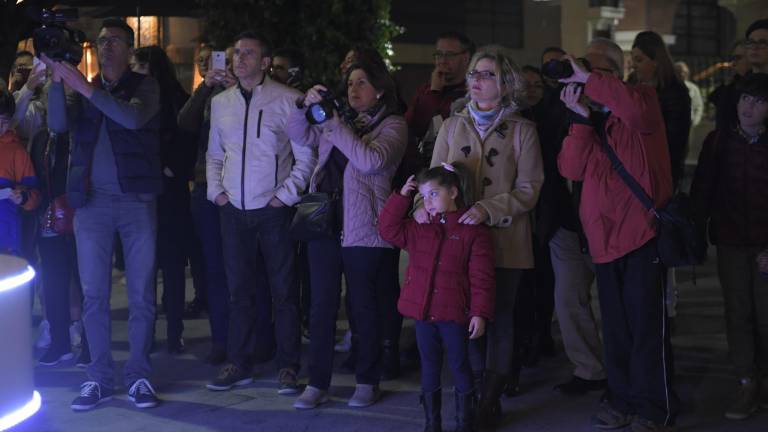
(194, 117)
(22, 67)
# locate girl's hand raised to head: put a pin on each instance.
(476, 327)
(409, 186)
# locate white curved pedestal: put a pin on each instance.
(18, 399)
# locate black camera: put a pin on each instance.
(320, 112)
(561, 69)
(55, 39)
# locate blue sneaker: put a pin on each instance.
(91, 395)
(142, 394)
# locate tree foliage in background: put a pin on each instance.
(324, 30)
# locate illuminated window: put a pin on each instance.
(148, 30)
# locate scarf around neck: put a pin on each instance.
(483, 119)
(367, 120)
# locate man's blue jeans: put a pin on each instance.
(135, 220)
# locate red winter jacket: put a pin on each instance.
(614, 220)
(450, 274)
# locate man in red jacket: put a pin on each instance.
(452, 53)
(621, 236)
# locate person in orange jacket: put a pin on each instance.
(17, 179)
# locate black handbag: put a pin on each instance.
(677, 240)
(315, 218)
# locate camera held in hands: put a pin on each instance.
(55, 39)
(320, 112)
(561, 69)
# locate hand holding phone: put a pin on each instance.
(218, 60)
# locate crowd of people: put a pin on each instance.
(499, 182)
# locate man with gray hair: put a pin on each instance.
(609, 52)
(626, 121)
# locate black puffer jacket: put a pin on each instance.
(676, 110)
(557, 206)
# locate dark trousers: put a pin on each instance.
(745, 292)
(205, 216)
(325, 272)
(636, 335)
(58, 262)
(369, 274)
(247, 235)
(434, 338)
(302, 270)
(394, 321)
(544, 282)
(496, 350)
(197, 265)
(174, 223)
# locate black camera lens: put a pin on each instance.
(557, 69)
(317, 114)
(55, 39)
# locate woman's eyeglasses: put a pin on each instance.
(481, 75)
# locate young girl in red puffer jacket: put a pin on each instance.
(449, 286)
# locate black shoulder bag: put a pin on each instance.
(677, 240)
(317, 212)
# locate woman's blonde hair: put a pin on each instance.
(509, 78)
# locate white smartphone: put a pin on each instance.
(219, 60)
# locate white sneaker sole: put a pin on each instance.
(90, 407)
(65, 357)
(288, 391)
(731, 416)
(358, 404)
(143, 404)
(307, 406)
(240, 383)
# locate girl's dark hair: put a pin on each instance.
(755, 84)
(161, 69)
(448, 179)
(7, 103)
(381, 80)
(653, 46)
(532, 69)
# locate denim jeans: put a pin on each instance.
(450, 337)
(135, 220)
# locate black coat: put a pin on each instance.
(676, 110)
(557, 206)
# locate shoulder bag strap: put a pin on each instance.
(618, 166)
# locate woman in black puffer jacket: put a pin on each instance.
(652, 65)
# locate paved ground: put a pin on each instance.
(704, 382)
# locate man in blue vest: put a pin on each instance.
(114, 180)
